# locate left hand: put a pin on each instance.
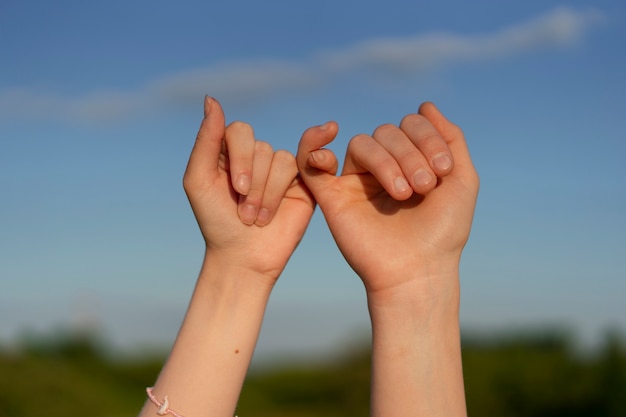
(251, 206)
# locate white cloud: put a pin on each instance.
(242, 81)
(97, 106)
(413, 54)
(246, 81)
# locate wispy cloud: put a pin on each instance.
(245, 81)
(415, 54)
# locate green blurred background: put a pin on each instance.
(535, 373)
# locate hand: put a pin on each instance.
(392, 225)
(251, 208)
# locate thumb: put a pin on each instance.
(204, 157)
(317, 166)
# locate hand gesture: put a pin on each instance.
(251, 207)
(401, 210)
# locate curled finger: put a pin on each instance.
(250, 203)
(366, 155)
(240, 147)
(429, 142)
(413, 163)
(280, 177)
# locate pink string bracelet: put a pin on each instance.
(164, 407)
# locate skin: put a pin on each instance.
(413, 186)
(435, 227)
(227, 170)
(405, 247)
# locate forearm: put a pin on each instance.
(208, 363)
(416, 354)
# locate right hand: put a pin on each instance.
(390, 228)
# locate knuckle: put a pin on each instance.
(413, 119)
(422, 132)
(239, 127)
(420, 127)
(385, 129)
(430, 140)
(284, 158)
(358, 140)
(263, 148)
(189, 183)
(387, 169)
(411, 157)
(456, 130)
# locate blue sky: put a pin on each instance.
(99, 106)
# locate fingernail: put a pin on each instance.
(243, 184)
(324, 126)
(248, 214)
(422, 178)
(442, 162)
(400, 184)
(317, 157)
(263, 216)
(207, 105)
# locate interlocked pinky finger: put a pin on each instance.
(281, 175)
(249, 204)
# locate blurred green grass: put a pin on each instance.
(531, 374)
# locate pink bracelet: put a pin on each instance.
(164, 407)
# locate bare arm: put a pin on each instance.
(252, 212)
(403, 234)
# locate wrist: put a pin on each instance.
(428, 298)
(217, 338)
(416, 348)
(224, 274)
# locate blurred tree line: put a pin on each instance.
(537, 374)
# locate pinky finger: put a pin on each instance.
(282, 173)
